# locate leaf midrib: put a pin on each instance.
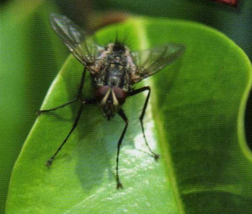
(144, 44)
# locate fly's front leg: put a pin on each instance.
(122, 114)
(61, 106)
(49, 162)
(79, 96)
(134, 92)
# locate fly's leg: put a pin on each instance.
(79, 96)
(122, 114)
(134, 92)
(49, 162)
(61, 106)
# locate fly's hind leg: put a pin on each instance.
(79, 96)
(132, 93)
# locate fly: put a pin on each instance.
(114, 69)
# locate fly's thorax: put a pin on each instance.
(115, 75)
(114, 66)
(110, 99)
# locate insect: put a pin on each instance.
(114, 69)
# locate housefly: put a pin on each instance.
(114, 69)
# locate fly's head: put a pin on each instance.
(110, 99)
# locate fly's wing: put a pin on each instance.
(75, 39)
(151, 61)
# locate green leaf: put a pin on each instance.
(27, 42)
(194, 120)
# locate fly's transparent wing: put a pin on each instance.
(153, 60)
(75, 39)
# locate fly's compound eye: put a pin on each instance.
(114, 94)
(102, 92)
(120, 94)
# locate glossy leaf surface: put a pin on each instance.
(194, 120)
